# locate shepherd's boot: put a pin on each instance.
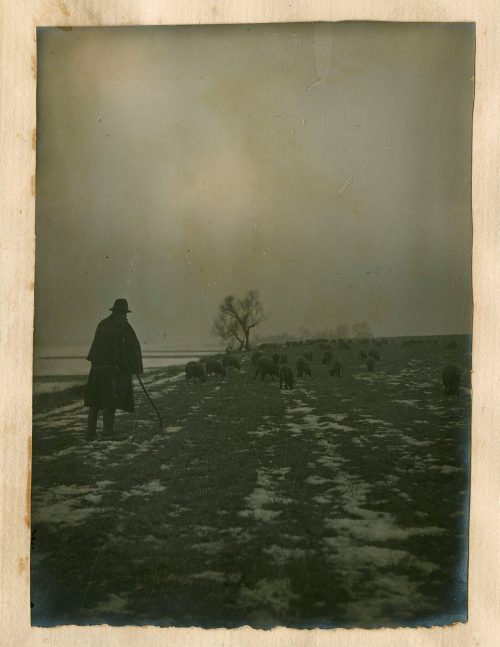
(108, 418)
(92, 424)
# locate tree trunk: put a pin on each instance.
(247, 340)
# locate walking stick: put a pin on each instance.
(160, 422)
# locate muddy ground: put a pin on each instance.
(342, 502)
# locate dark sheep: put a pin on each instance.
(452, 345)
(196, 371)
(283, 358)
(303, 367)
(362, 355)
(255, 357)
(286, 377)
(336, 369)
(309, 355)
(266, 366)
(370, 364)
(276, 358)
(214, 367)
(374, 354)
(327, 357)
(229, 361)
(451, 379)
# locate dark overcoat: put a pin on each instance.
(116, 356)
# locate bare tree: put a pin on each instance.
(236, 318)
(362, 330)
(342, 331)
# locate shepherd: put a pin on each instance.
(116, 356)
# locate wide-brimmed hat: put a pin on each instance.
(120, 305)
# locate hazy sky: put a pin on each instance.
(325, 165)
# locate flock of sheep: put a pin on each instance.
(276, 365)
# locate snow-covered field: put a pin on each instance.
(342, 502)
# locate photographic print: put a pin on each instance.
(253, 325)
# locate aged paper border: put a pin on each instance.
(18, 22)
